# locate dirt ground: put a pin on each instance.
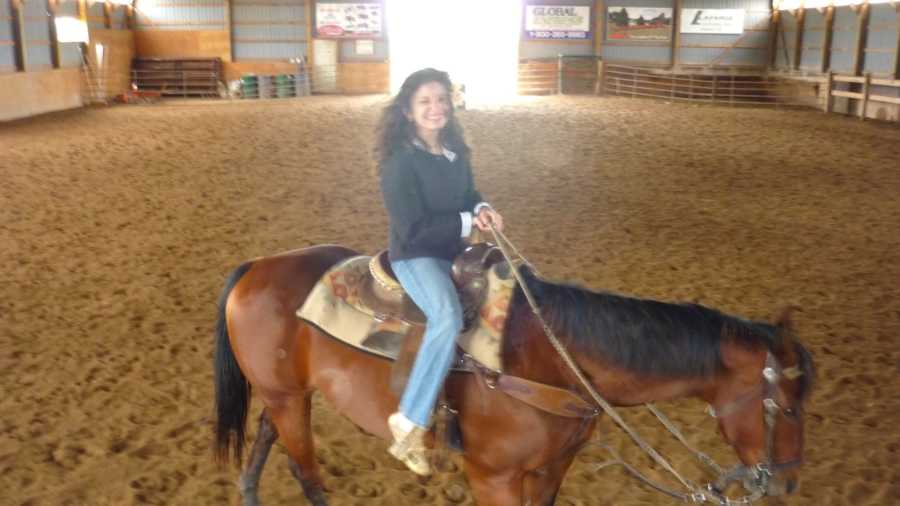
(118, 225)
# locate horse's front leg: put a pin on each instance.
(495, 488)
(541, 486)
(248, 483)
(516, 488)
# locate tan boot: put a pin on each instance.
(409, 446)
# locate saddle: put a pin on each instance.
(360, 302)
(384, 295)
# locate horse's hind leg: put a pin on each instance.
(248, 483)
(292, 416)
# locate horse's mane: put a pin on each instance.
(647, 336)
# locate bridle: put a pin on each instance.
(755, 477)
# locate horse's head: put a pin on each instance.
(760, 412)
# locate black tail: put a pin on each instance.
(232, 388)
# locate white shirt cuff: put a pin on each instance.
(479, 205)
(466, 218)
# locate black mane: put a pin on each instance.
(645, 336)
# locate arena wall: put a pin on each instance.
(31, 93)
(182, 44)
(846, 41)
(115, 69)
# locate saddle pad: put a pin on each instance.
(335, 306)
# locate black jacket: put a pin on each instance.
(424, 195)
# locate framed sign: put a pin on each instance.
(639, 23)
(720, 21)
(365, 47)
(349, 21)
(549, 22)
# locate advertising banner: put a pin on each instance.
(719, 21)
(639, 23)
(557, 22)
(349, 21)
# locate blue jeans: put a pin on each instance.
(428, 283)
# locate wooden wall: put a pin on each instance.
(30, 93)
(183, 44)
(119, 49)
(356, 78)
(353, 77)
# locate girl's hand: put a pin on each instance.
(487, 217)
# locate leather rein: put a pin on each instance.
(755, 478)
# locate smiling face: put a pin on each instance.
(429, 109)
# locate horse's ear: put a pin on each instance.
(784, 328)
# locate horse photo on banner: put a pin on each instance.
(639, 23)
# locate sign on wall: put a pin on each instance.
(639, 23)
(557, 22)
(349, 21)
(727, 21)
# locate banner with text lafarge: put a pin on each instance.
(557, 22)
(639, 23)
(349, 21)
(717, 21)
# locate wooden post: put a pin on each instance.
(633, 81)
(52, 7)
(862, 26)
(18, 27)
(599, 17)
(731, 93)
(229, 13)
(107, 15)
(559, 74)
(130, 22)
(825, 64)
(714, 88)
(676, 37)
(829, 99)
(309, 35)
(774, 21)
(601, 78)
(897, 50)
(800, 14)
(865, 93)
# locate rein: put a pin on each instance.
(754, 478)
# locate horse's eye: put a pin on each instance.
(789, 412)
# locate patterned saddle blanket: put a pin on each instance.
(347, 304)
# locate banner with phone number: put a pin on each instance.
(549, 22)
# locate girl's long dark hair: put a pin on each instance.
(396, 132)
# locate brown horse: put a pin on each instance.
(633, 351)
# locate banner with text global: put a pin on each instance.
(557, 22)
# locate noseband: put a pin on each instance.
(756, 477)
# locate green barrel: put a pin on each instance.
(249, 86)
(284, 85)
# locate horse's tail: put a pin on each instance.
(232, 388)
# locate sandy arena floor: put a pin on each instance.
(118, 225)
